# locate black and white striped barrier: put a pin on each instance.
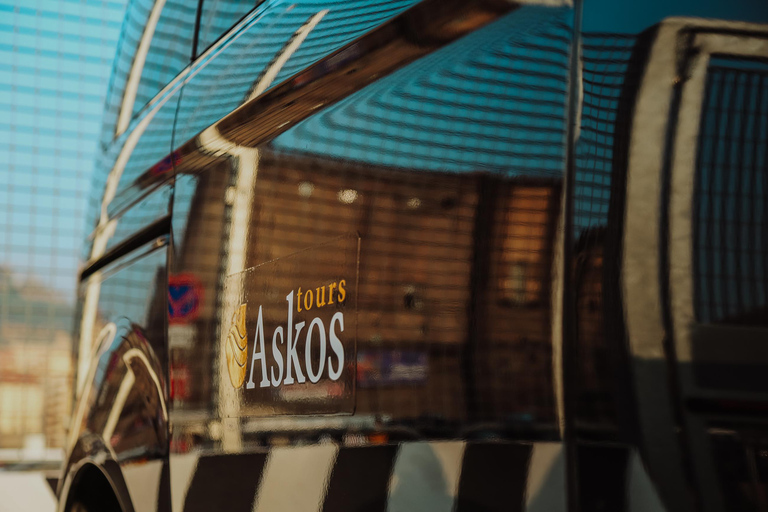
(414, 476)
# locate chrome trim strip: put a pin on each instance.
(137, 67)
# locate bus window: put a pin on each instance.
(156, 46)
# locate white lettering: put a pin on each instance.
(314, 377)
(283, 366)
(291, 356)
(336, 346)
(278, 357)
(259, 354)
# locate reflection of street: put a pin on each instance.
(26, 492)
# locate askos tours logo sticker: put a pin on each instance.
(289, 345)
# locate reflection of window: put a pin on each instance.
(730, 217)
(525, 246)
(217, 17)
(516, 283)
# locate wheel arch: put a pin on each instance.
(96, 481)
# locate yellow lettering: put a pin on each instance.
(331, 288)
(342, 291)
(308, 295)
(298, 301)
(320, 304)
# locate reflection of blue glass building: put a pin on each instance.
(495, 102)
(55, 65)
(55, 62)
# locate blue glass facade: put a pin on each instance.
(55, 63)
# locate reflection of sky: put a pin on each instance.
(494, 100)
(226, 81)
(633, 16)
(55, 61)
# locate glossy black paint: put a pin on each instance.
(559, 300)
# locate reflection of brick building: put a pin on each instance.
(426, 237)
(35, 392)
(35, 362)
